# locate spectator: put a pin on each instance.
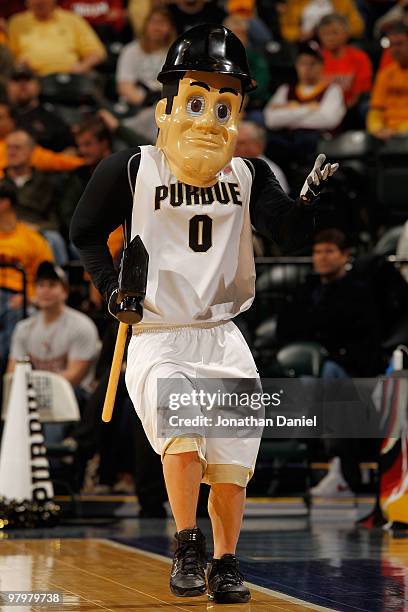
(323, 311)
(107, 18)
(94, 143)
(258, 33)
(40, 120)
(141, 60)
(93, 139)
(49, 39)
(36, 192)
(138, 10)
(399, 12)
(57, 338)
(43, 159)
(298, 114)
(386, 56)
(337, 308)
(258, 65)
(251, 142)
(300, 18)
(349, 67)
(189, 13)
(22, 245)
(388, 114)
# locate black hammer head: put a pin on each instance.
(133, 270)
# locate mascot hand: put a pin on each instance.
(125, 308)
(317, 178)
(113, 302)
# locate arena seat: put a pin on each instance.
(392, 177)
(302, 359)
(68, 89)
(387, 244)
(265, 333)
(275, 285)
(280, 277)
(350, 145)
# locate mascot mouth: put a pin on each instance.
(205, 141)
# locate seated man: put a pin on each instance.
(37, 192)
(335, 308)
(94, 139)
(19, 244)
(43, 159)
(40, 120)
(298, 114)
(388, 114)
(48, 40)
(57, 338)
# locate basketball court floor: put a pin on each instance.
(294, 563)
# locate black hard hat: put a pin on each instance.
(208, 48)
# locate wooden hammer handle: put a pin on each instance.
(116, 368)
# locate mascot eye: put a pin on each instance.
(222, 112)
(195, 106)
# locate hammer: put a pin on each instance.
(132, 290)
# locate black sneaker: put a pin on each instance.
(187, 578)
(225, 581)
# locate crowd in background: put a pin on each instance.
(78, 81)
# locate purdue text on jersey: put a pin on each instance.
(179, 194)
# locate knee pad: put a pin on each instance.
(185, 444)
(227, 473)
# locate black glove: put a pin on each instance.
(317, 178)
(127, 309)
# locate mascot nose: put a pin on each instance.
(208, 122)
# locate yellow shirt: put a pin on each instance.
(389, 100)
(26, 247)
(54, 45)
(291, 18)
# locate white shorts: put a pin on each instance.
(219, 351)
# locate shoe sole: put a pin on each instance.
(225, 598)
(196, 592)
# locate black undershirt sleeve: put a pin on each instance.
(289, 223)
(105, 204)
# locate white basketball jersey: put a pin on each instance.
(199, 240)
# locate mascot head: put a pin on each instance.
(205, 79)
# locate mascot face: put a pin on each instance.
(198, 137)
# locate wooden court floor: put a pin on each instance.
(96, 575)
